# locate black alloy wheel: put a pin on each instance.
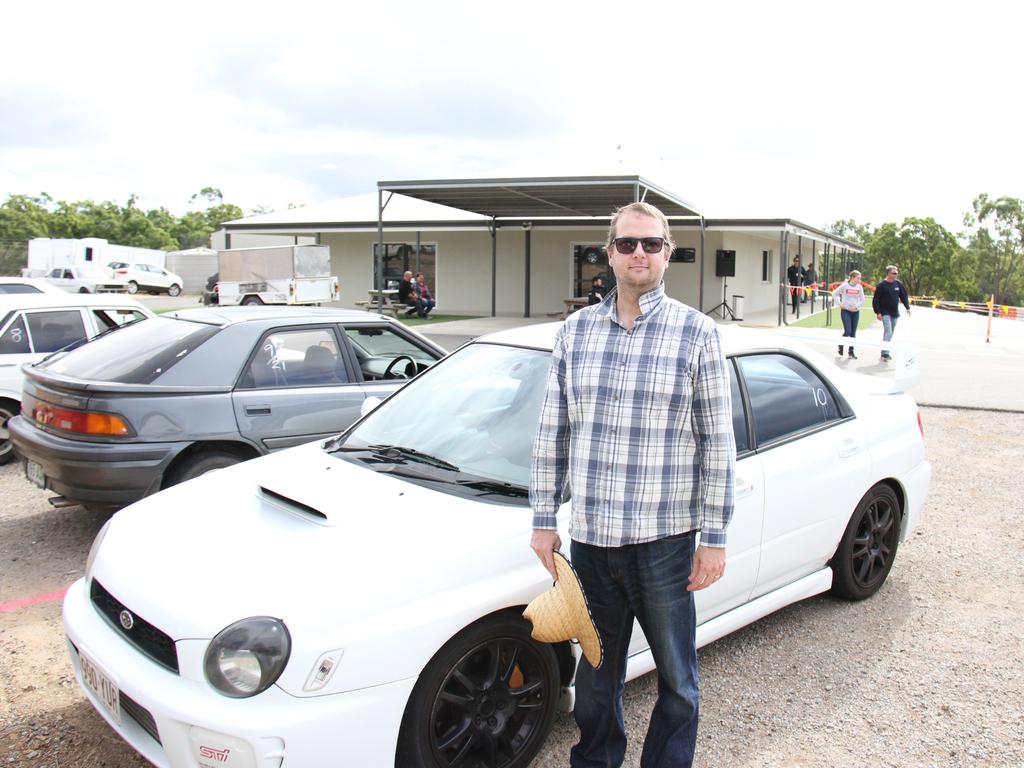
(868, 548)
(486, 700)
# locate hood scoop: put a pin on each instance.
(295, 506)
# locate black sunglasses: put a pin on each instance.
(626, 245)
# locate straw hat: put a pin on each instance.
(561, 613)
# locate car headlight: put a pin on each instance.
(94, 549)
(247, 657)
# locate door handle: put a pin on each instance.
(257, 410)
(848, 448)
(742, 489)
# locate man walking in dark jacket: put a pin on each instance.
(889, 294)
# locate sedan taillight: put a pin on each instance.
(920, 424)
(71, 420)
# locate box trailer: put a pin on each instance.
(282, 274)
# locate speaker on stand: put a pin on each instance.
(725, 267)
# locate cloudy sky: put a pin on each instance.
(817, 111)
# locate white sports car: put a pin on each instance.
(358, 601)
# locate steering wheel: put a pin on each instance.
(391, 367)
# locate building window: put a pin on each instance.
(400, 258)
(766, 266)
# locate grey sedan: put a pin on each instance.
(149, 407)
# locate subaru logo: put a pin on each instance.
(127, 620)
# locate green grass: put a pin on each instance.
(817, 320)
(434, 319)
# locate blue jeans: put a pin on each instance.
(850, 321)
(888, 328)
(647, 581)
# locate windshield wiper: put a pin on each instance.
(400, 451)
(496, 487)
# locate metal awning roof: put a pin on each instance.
(543, 197)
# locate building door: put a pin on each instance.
(590, 260)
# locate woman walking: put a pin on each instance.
(850, 297)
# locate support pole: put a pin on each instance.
(380, 251)
(494, 266)
(783, 257)
(700, 280)
(526, 253)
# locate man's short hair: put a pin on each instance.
(891, 268)
(644, 209)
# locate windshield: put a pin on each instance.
(139, 353)
(476, 410)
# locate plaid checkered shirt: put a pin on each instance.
(640, 424)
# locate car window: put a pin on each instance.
(18, 288)
(50, 331)
(739, 414)
(112, 318)
(377, 346)
(304, 357)
(137, 354)
(786, 396)
(14, 339)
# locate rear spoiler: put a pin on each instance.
(903, 372)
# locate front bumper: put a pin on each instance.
(196, 726)
(102, 474)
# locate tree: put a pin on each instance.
(997, 243)
(927, 254)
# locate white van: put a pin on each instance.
(32, 325)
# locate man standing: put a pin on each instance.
(886, 304)
(810, 281)
(637, 421)
(795, 277)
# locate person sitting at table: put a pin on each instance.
(409, 295)
(425, 297)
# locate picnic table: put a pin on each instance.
(574, 303)
(383, 301)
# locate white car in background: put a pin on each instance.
(12, 286)
(34, 325)
(88, 278)
(357, 601)
(147, 277)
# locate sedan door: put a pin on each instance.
(743, 549)
(296, 388)
(815, 459)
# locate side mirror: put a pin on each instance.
(369, 404)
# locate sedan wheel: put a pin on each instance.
(486, 699)
(866, 553)
(200, 464)
(6, 446)
(174, 290)
(133, 287)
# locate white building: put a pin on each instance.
(522, 246)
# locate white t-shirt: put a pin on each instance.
(849, 297)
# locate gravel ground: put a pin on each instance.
(926, 673)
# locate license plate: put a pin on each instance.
(34, 472)
(100, 684)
